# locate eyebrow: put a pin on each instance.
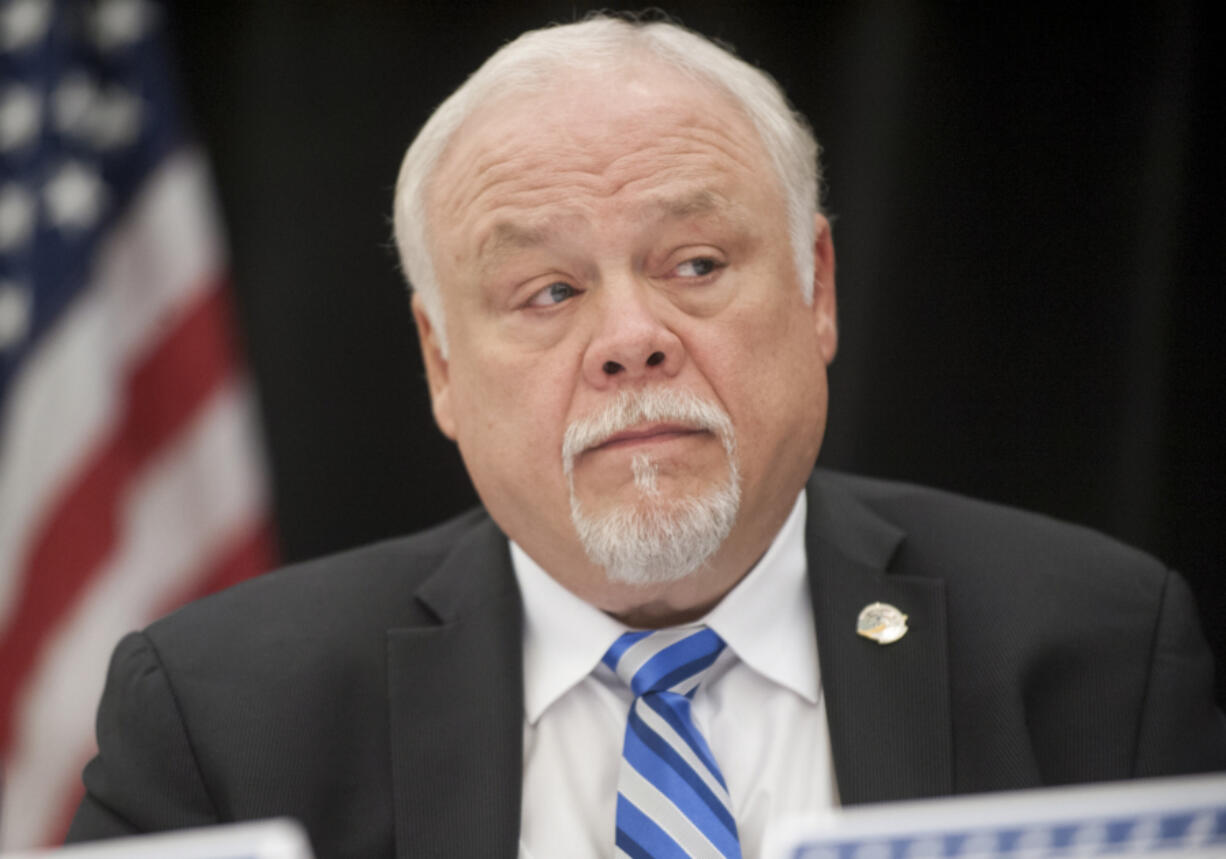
(509, 236)
(506, 237)
(698, 202)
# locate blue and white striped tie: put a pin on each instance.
(671, 797)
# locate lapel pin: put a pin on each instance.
(882, 623)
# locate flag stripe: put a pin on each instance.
(34, 822)
(252, 553)
(130, 474)
(57, 830)
(63, 400)
(163, 392)
(179, 533)
(249, 554)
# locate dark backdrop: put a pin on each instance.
(1029, 225)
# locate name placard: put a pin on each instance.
(269, 839)
(1178, 817)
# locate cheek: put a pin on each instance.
(510, 413)
(766, 366)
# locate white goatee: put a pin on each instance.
(658, 540)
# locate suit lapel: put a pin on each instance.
(456, 703)
(888, 706)
(456, 688)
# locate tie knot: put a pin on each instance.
(664, 660)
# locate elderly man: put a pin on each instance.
(663, 632)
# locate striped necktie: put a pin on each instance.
(671, 797)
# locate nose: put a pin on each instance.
(632, 343)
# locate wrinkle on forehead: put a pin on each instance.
(560, 153)
(601, 167)
(698, 202)
(508, 236)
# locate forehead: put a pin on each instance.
(651, 140)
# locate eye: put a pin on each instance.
(553, 294)
(697, 267)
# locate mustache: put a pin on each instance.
(645, 405)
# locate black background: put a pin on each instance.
(1029, 223)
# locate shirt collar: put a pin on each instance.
(564, 637)
(766, 620)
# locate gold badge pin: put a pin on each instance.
(882, 623)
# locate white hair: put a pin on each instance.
(656, 540)
(530, 63)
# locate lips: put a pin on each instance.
(645, 416)
(656, 432)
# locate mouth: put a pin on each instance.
(648, 434)
(646, 421)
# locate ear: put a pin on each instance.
(438, 371)
(825, 310)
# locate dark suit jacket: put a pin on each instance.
(377, 695)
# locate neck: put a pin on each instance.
(684, 600)
(673, 604)
(652, 606)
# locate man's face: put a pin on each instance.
(603, 239)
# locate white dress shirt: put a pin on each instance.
(760, 706)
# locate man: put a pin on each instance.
(625, 295)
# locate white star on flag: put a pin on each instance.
(20, 115)
(74, 197)
(23, 22)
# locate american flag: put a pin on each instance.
(130, 474)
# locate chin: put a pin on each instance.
(657, 539)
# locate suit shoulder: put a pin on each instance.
(371, 586)
(1074, 655)
(952, 534)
